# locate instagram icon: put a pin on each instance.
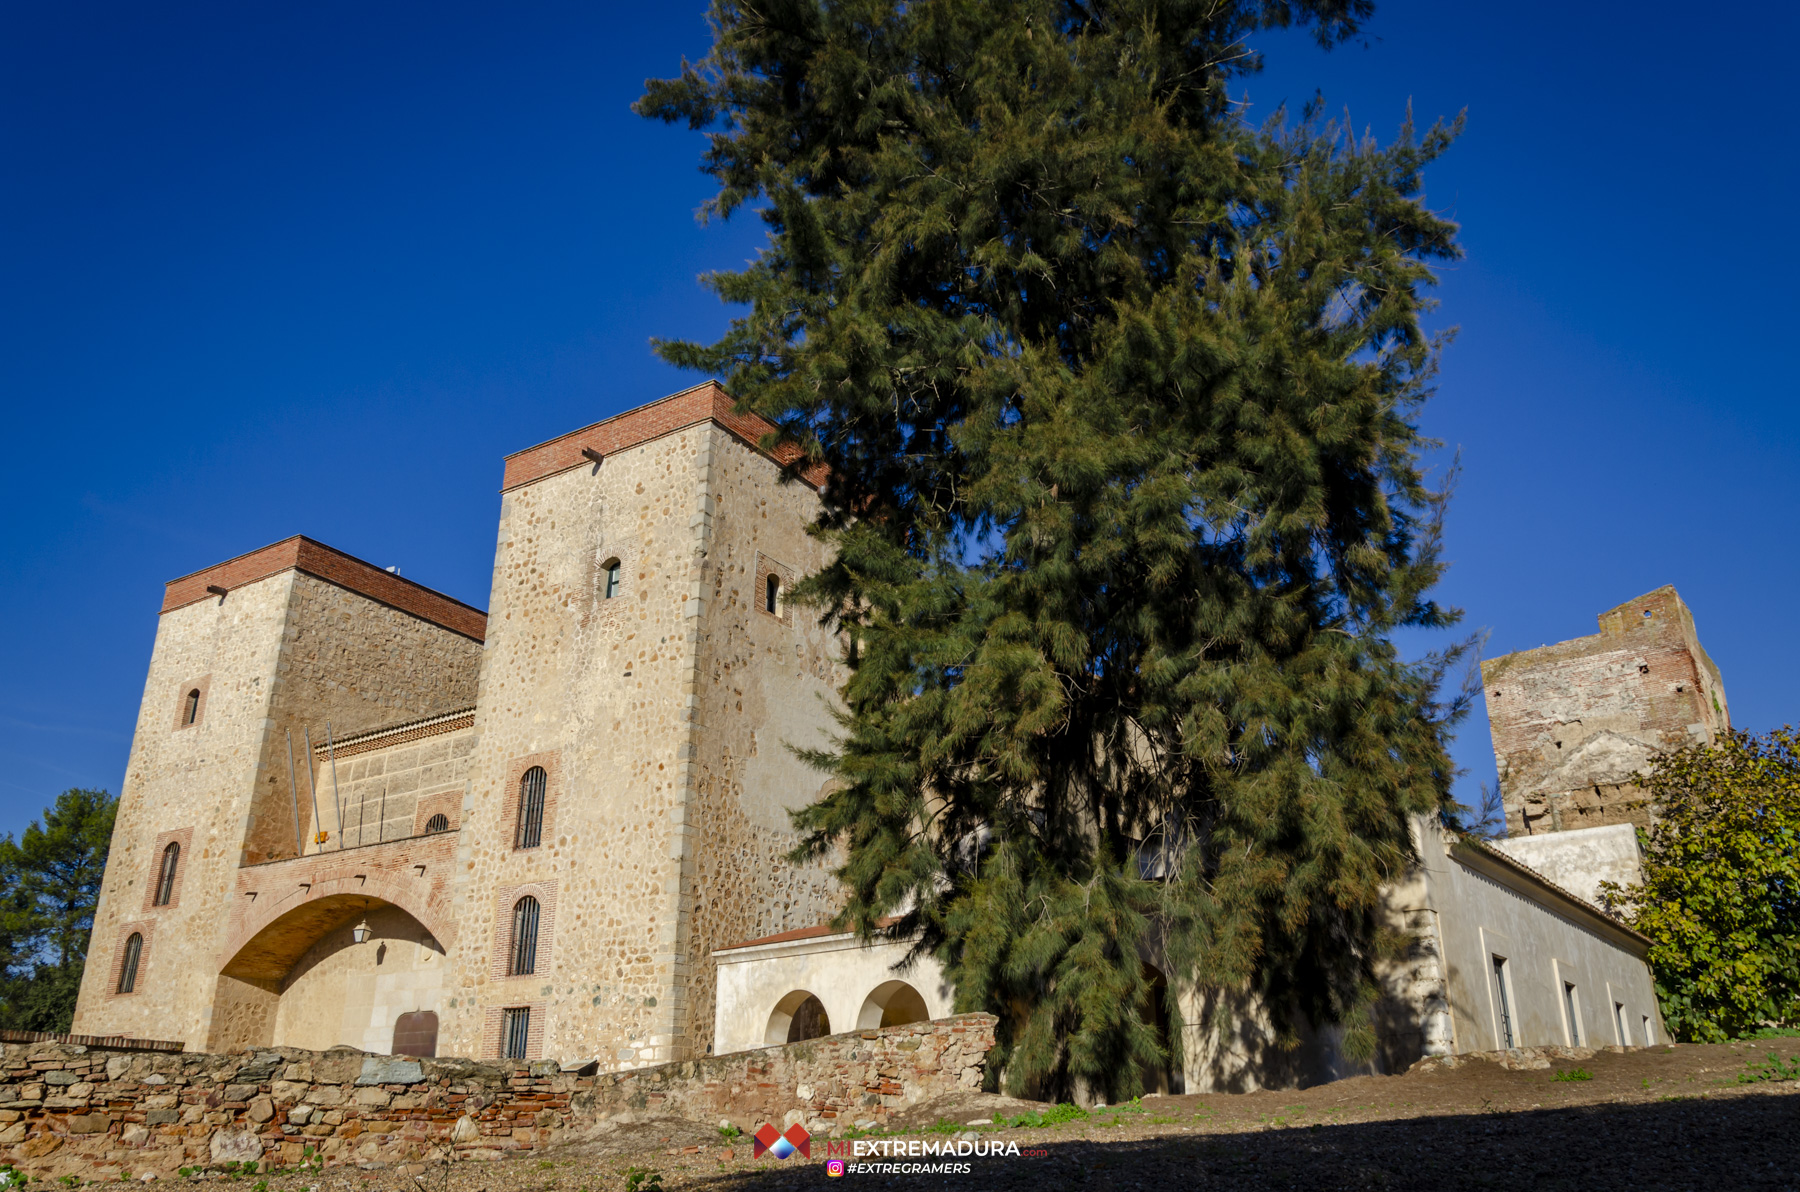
(834, 1168)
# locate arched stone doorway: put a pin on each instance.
(796, 1018)
(892, 1003)
(303, 980)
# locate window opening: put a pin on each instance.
(1570, 1004)
(611, 567)
(1649, 1032)
(438, 823)
(134, 951)
(192, 712)
(523, 961)
(1624, 1025)
(772, 595)
(165, 880)
(515, 1032)
(1501, 1003)
(530, 831)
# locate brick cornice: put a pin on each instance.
(705, 402)
(303, 554)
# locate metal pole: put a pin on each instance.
(337, 798)
(306, 734)
(294, 796)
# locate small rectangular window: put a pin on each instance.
(515, 1032)
(1502, 1005)
(1572, 1007)
(1649, 1032)
(1624, 1024)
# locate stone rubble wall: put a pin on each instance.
(100, 1113)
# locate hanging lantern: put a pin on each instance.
(360, 933)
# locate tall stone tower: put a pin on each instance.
(641, 656)
(284, 638)
(1572, 722)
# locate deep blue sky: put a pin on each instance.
(316, 268)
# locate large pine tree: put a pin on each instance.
(1118, 396)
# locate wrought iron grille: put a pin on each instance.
(524, 938)
(530, 831)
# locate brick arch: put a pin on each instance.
(266, 946)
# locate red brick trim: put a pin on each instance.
(759, 592)
(504, 900)
(300, 553)
(203, 685)
(185, 838)
(705, 402)
(446, 803)
(515, 774)
(145, 928)
(399, 734)
(534, 1034)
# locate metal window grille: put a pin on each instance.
(438, 823)
(165, 880)
(134, 949)
(515, 1032)
(523, 961)
(193, 707)
(612, 579)
(530, 831)
(1506, 1029)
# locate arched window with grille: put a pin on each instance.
(611, 570)
(437, 823)
(190, 712)
(522, 961)
(165, 877)
(128, 967)
(530, 830)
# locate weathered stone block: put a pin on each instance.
(89, 1123)
(389, 1070)
(235, 1146)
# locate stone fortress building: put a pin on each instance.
(1573, 722)
(359, 812)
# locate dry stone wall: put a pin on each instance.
(99, 1114)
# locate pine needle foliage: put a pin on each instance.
(1118, 398)
(1720, 898)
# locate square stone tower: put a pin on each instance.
(284, 638)
(643, 680)
(1572, 722)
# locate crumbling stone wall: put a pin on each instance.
(99, 1113)
(1572, 722)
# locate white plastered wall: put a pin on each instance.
(837, 969)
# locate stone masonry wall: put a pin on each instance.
(99, 1114)
(1573, 721)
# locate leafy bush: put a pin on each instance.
(1573, 1074)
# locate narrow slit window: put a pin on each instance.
(437, 823)
(1502, 1005)
(515, 1032)
(1649, 1032)
(165, 877)
(1624, 1024)
(190, 712)
(611, 568)
(530, 830)
(772, 595)
(1571, 1004)
(523, 960)
(128, 969)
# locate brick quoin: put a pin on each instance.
(301, 553)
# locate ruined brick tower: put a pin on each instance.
(1572, 722)
(533, 825)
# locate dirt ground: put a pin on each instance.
(1662, 1118)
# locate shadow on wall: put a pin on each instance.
(1233, 1045)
